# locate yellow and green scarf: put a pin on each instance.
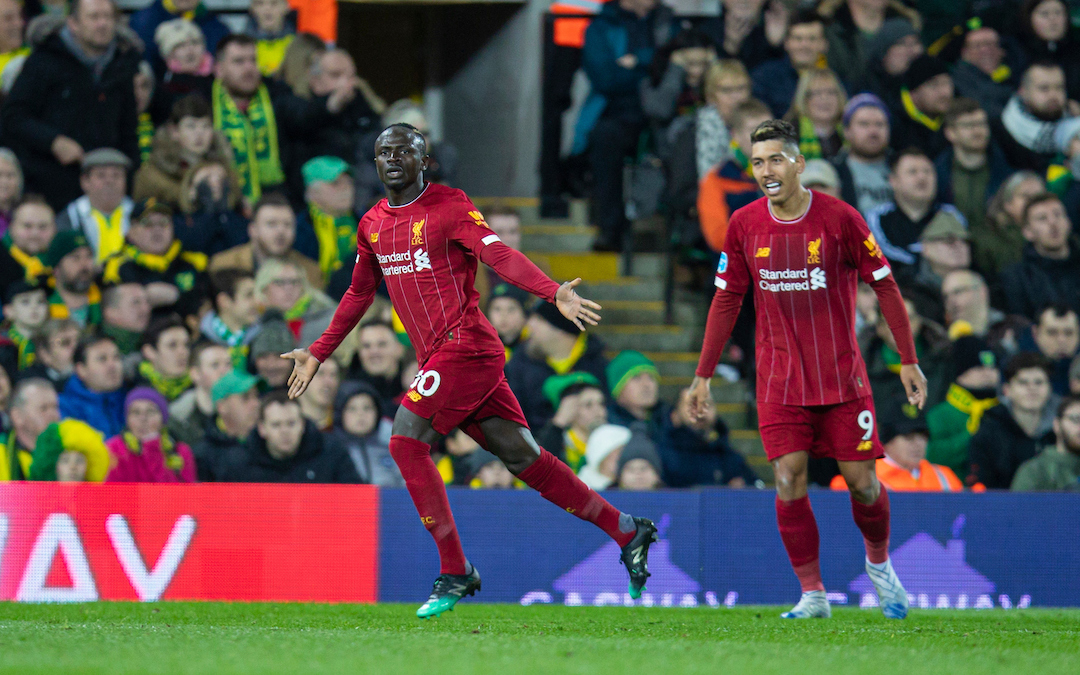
(155, 263)
(15, 461)
(931, 123)
(169, 387)
(26, 356)
(809, 142)
(110, 231)
(173, 461)
(59, 310)
(337, 239)
(253, 137)
(31, 263)
(962, 400)
(145, 130)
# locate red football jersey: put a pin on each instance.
(427, 252)
(805, 274)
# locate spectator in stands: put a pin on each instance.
(189, 66)
(1031, 117)
(145, 451)
(998, 240)
(611, 119)
(924, 99)
(95, 393)
(981, 72)
(103, 213)
(731, 186)
(805, 46)
(145, 85)
(1015, 431)
(32, 229)
(954, 421)
(145, 22)
(1049, 271)
(973, 166)
(208, 220)
(125, 315)
(727, 84)
(1055, 335)
(281, 285)
(863, 165)
(853, 25)
(967, 300)
(946, 247)
(899, 224)
(153, 258)
(382, 362)
(744, 32)
(639, 467)
(606, 444)
(634, 383)
(317, 403)
(11, 178)
(300, 56)
(33, 407)
(506, 312)
(1048, 36)
(166, 348)
(186, 140)
(26, 307)
(1058, 466)
(1074, 377)
(699, 452)
(264, 357)
(905, 467)
(272, 231)
(75, 94)
(555, 347)
(816, 111)
(672, 93)
(364, 431)
(326, 232)
(54, 349)
(890, 54)
(236, 404)
(235, 312)
(12, 24)
(286, 449)
(580, 407)
(485, 471)
(273, 26)
(70, 451)
(76, 295)
(821, 175)
(193, 410)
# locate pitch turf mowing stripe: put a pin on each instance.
(509, 639)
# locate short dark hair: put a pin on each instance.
(378, 324)
(1026, 361)
(226, 281)
(110, 294)
(278, 396)
(408, 127)
(192, 105)
(275, 199)
(1041, 198)
(86, 343)
(751, 107)
(804, 17)
(1066, 403)
(1058, 310)
(910, 151)
(578, 387)
(199, 347)
(960, 107)
(153, 333)
(1043, 63)
(32, 198)
(233, 39)
(776, 130)
(74, 8)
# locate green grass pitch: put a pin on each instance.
(506, 639)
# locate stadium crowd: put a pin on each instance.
(178, 207)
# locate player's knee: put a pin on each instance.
(790, 484)
(864, 488)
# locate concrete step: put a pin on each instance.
(747, 442)
(622, 288)
(647, 338)
(735, 415)
(648, 312)
(589, 266)
(647, 265)
(557, 237)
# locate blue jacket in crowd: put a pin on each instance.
(146, 20)
(999, 171)
(103, 411)
(774, 83)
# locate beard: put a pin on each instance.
(1071, 444)
(79, 284)
(1053, 115)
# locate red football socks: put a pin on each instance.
(798, 530)
(873, 522)
(428, 493)
(559, 485)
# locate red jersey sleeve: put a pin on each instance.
(365, 279)
(732, 282)
(861, 249)
(732, 272)
(471, 231)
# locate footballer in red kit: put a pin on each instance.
(424, 242)
(802, 254)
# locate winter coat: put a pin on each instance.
(187, 422)
(999, 171)
(210, 232)
(1001, 446)
(1035, 282)
(754, 50)
(148, 464)
(216, 452)
(849, 52)
(371, 455)
(774, 83)
(658, 427)
(103, 411)
(161, 174)
(57, 94)
(722, 192)
(243, 257)
(318, 460)
(973, 83)
(185, 271)
(146, 20)
(1050, 470)
(527, 375)
(950, 430)
(932, 343)
(702, 458)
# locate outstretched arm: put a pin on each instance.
(516, 268)
(722, 316)
(895, 312)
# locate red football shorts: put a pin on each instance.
(846, 431)
(453, 389)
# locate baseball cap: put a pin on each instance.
(64, 243)
(819, 172)
(231, 383)
(326, 169)
(151, 205)
(105, 157)
(944, 225)
(922, 70)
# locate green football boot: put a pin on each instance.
(449, 588)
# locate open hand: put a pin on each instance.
(304, 368)
(700, 398)
(575, 307)
(914, 384)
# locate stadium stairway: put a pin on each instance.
(633, 317)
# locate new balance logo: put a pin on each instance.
(637, 555)
(762, 252)
(421, 259)
(817, 279)
(865, 446)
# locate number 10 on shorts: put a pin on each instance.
(427, 383)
